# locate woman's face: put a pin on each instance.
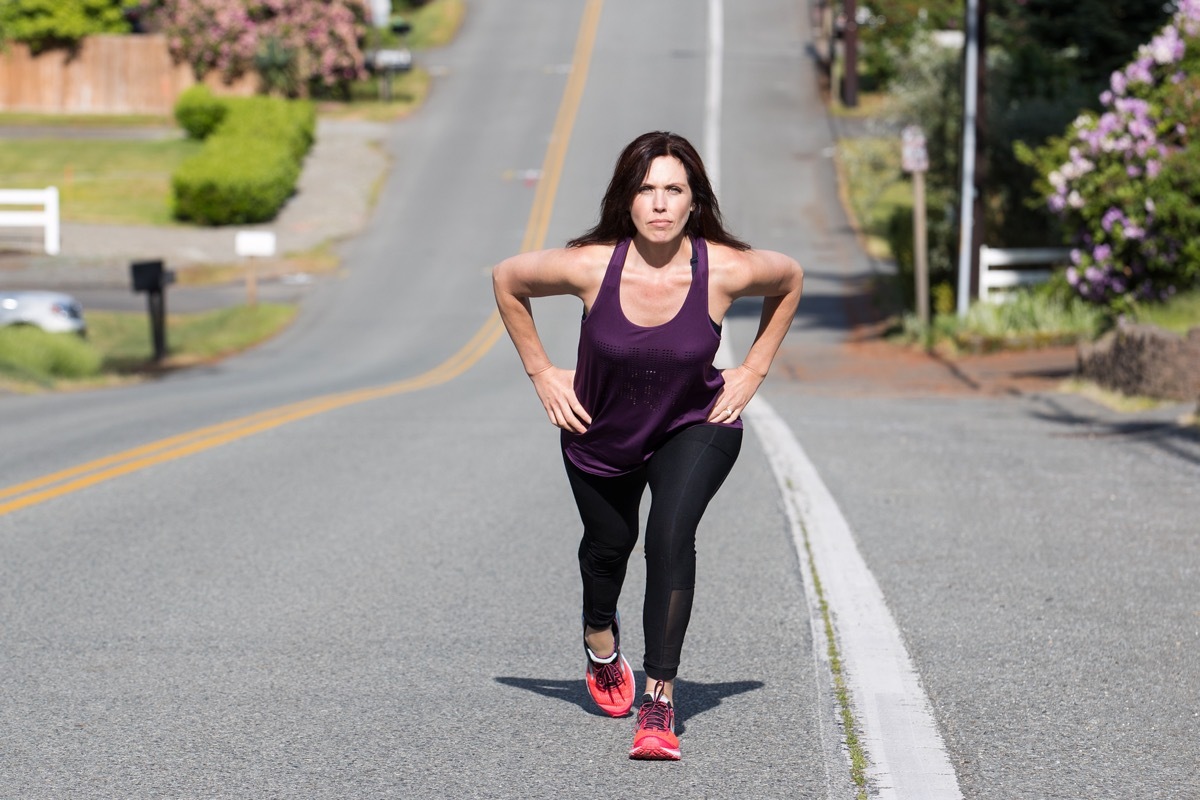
(663, 202)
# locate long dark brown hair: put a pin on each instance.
(632, 166)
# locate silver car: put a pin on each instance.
(53, 312)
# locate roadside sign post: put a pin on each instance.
(915, 159)
(250, 245)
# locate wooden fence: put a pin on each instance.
(106, 74)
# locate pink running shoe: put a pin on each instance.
(610, 680)
(655, 737)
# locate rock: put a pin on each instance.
(1144, 360)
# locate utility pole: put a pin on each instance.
(979, 228)
(850, 52)
(967, 262)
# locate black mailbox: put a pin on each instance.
(150, 276)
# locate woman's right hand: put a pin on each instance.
(556, 389)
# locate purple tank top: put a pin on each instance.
(641, 385)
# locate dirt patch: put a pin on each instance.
(876, 367)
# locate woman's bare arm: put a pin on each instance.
(542, 274)
(779, 280)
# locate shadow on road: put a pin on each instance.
(696, 698)
(1169, 437)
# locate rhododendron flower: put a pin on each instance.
(1107, 165)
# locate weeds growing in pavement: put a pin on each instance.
(858, 757)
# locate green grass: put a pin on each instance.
(32, 356)
(870, 105)
(102, 181)
(409, 90)
(1047, 315)
(25, 119)
(1179, 314)
(124, 338)
(119, 346)
(873, 187)
(433, 24)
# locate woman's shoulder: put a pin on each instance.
(589, 261)
(737, 269)
(559, 270)
(586, 255)
(729, 263)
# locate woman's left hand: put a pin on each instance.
(740, 385)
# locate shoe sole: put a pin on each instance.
(654, 751)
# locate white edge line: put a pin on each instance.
(906, 755)
(712, 93)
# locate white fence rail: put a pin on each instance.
(26, 217)
(991, 278)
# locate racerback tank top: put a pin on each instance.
(642, 384)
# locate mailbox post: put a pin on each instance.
(150, 277)
(386, 62)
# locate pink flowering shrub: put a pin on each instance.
(1125, 181)
(320, 38)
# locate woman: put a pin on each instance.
(645, 406)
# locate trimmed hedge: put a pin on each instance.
(251, 158)
(198, 111)
(292, 122)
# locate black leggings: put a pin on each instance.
(683, 475)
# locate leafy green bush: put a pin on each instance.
(293, 123)
(235, 180)
(1125, 181)
(249, 165)
(198, 111)
(33, 354)
(44, 24)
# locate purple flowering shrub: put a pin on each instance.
(321, 37)
(1125, 182)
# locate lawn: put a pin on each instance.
(873, 187)
(119, 347)
(112, 181)
(99, 180)
(1179, 314)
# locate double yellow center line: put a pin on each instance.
(48, 487)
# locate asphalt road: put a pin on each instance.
(352, 593)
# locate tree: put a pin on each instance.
(297, 42)
(45, 24)
(1125, 180)
(888, 28)
(1085, 39)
